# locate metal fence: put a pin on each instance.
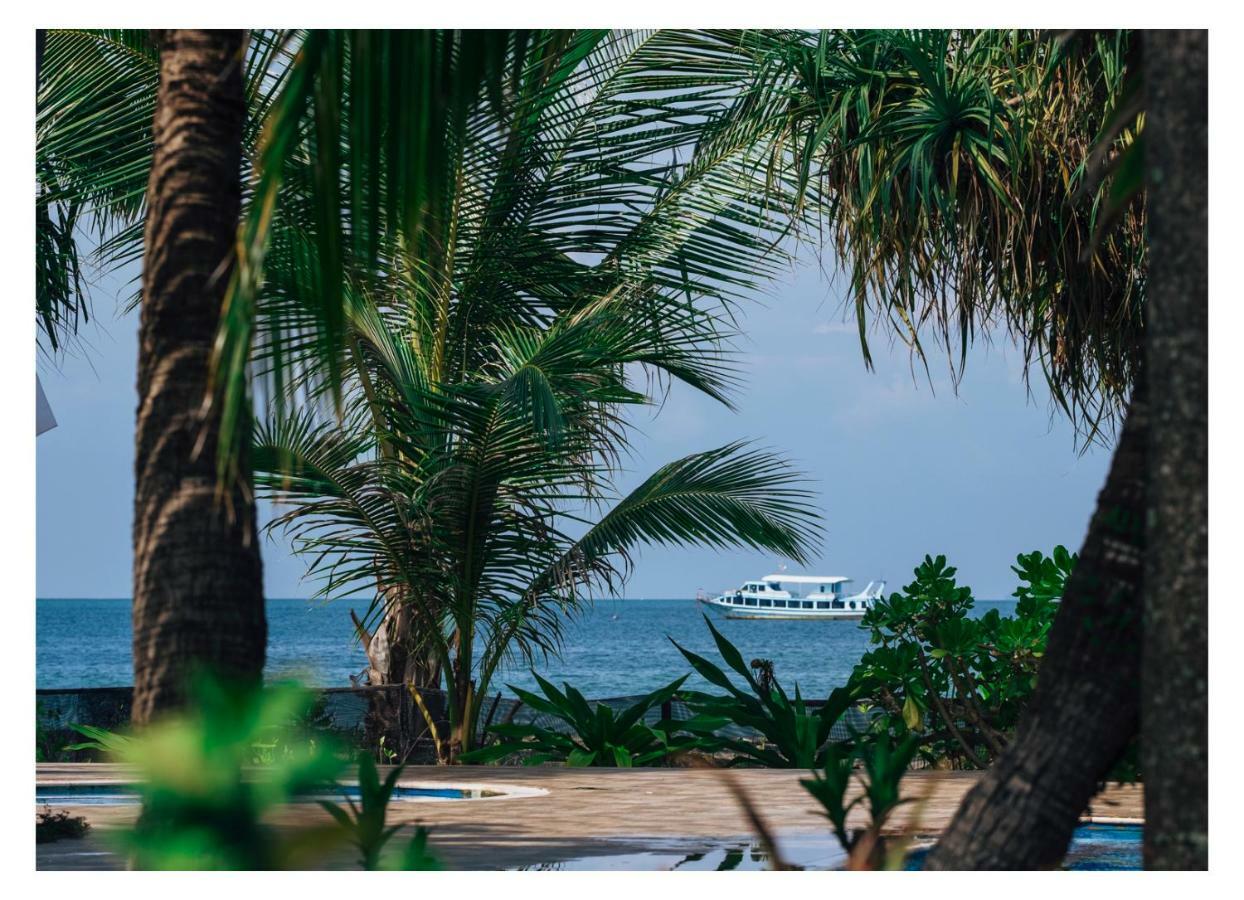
(359, 716)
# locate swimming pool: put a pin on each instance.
(1095, 847)
(125, 794)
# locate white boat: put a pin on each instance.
(796, 597)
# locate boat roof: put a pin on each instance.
(806, 579)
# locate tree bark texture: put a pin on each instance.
(198, 591)
(1174, 711)
(391, 662)
(1085, 709)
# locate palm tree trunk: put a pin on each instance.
(198, 592)
(1174, 711)
(1085, 709)
(391, 661)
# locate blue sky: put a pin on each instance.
(902, 468)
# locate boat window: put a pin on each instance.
(766, 602)
(807, 604)
(749, 601)
(822, 604)
(852, 604)
(775, 585)
(838, 604)
(780, 604)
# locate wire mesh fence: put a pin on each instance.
(364, 717)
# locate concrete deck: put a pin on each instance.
(585, 814)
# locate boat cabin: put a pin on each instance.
(794, 592)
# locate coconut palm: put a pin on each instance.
(172, 194)
(198, 595)
(462, 465)
(93, 151)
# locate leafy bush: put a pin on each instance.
(598, 736)
(795, 736)
(885, 762)
(202, 809)
(959, 682)
(364, 824)
(52, 826)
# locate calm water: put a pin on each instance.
(617, 647)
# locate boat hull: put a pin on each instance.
(734, 612)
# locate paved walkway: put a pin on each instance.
(586, 817)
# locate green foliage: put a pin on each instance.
(492, 346)
(829, 787)
(95, 106)
(959, 682)
(52, 826)
(957, 174)
(794, 735)
(209, 776)
(885, 762)
(49, 746)
(365, 823)
(597, 735)
(103, 741)
(202, 808)
(417, 857)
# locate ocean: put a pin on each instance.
(616, 648)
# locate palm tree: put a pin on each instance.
(979, 180)
(481, 409)
(102, 166)
(140, 151)
(198, 598)
(335, 121)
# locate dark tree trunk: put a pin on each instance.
(1022, 813)
(198, 592)
(1085, 709)
(1174, 710)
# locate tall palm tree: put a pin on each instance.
(198, 591)
(102, 167)
(980, 180)
(485, 378)
(374, 122)
(1161, 462)
(142, 142)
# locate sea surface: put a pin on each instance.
(615, 648)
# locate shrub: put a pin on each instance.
(52, 826)
(364, 823)
(885, 762)
(596, 737)
(959, 682)
(794, 734)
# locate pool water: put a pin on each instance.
(126, 794)
(1094, 847)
